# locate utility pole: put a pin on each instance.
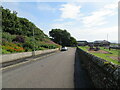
(107, 37)
(33, 52)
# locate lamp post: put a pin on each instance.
(107, 37)
(33, 51)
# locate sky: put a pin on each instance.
(89, 21)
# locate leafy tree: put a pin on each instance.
(62, 37)
(73, 41)
(20, 26)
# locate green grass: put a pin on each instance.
(85, 48)
(105, 56)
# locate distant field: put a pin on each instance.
(109, 55)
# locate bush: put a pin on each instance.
(8, 36)
(5, 51)
(19, 39)
(41, 48)
(49, 46)
(18, 44)
(27, 49)
(8, 48)
(28, 45)
(11, 47)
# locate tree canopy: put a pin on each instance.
(62, 37)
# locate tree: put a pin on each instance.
(15, 25)
(73, 41)
(62, 37)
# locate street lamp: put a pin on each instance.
(33, 51)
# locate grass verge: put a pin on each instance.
(106, 56)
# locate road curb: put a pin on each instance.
(27, 60)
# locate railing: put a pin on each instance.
(103, 74)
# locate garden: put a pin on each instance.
(111, 55)
(17, 43)
(17, 35)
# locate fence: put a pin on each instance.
(103, 74)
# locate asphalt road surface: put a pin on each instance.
(55, 71)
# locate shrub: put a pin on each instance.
(19, 39)
(28, 45)
(5, 51)
(25, 43)
(18, 44)
(27, 49)
(8, 36)
(11, 47)
(41, 48)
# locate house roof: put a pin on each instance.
(81, 41)
(101, 41)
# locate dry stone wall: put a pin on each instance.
(103, 73)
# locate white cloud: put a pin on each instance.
(70, 11)
(98, 18)
(89, 34)
(93, 34)
(111, 6)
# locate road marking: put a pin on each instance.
(31, 60)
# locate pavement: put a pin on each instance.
(54, 71)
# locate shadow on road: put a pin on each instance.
(81, 77)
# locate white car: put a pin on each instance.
(64, 49)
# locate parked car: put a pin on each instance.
(64, 49)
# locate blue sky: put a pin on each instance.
(84, 20)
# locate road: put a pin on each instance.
(55, 71)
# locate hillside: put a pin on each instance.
(17, 34)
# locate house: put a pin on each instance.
(90, 43)
(101, 43)
(82, 43)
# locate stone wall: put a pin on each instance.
(103, 73)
